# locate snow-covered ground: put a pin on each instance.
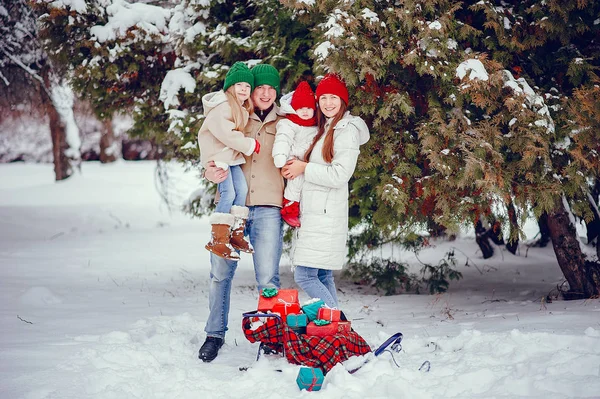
(103, 294)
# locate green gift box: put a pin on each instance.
(297, 320)
(311, 308)
(310, 378)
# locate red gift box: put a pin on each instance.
(284, 298)
(330, 314)
(286, 308)
(321, 331)
(344, 327)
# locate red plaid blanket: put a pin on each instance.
(307, 350)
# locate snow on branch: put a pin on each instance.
(369, 16)
(181, 23)
(174, 81)
(474, 68)
(533, 100)
(79, 6)
(322, 50)
(334, 28)
(123, 15)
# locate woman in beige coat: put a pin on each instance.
(221, 140)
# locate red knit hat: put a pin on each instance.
(333, 84)
(304, 97)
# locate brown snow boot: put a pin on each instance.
(238, 241)
(220, 236)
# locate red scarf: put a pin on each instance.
(302, 122)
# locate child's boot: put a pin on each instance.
(220, 237)
(290, 213)
(238, 241)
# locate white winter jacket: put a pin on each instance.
(321, 240)
(291, 140)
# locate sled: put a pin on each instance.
(391, 345)
(262, 347)
(281, 339)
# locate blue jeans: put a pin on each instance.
(317, 283)
(265, 230)
(233, 190)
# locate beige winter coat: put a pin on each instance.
(218, 139)
(265, 184)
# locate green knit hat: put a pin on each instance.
(238, 72)
(265, 74)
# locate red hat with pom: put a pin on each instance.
(333, 84)
(303, 97)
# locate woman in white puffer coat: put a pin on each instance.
(319, 246)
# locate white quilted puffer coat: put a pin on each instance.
(291, 140)
(320, 242)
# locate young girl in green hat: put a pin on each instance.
(221, 139)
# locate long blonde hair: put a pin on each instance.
(328, 143)
(236, 108)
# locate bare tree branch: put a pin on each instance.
(23, 320)
(26, 68)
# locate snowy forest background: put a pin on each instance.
(484, 115)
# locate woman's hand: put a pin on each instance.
(215, 174)
(293, 168)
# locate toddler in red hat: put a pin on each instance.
(294, 136)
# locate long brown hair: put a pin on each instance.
(236, 108)
(328, 143)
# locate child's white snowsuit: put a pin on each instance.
(291, 141)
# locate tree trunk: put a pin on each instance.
(513, 243)
(482, 239)
(544, 231)
(495, 233)
(62, 164)
(583, 276)
(108, 152)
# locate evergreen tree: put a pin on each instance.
(554, 46)
(114, 52)
(462, 129)
(158, 61)
(20, 48)
(482, 113)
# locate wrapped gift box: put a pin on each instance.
(311, 308)
(296, 320)
(344, 327)
(310, 378)
(279, 301)
(330, 314)
(321, 331)
(286, 308)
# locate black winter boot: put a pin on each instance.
(210, 348)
